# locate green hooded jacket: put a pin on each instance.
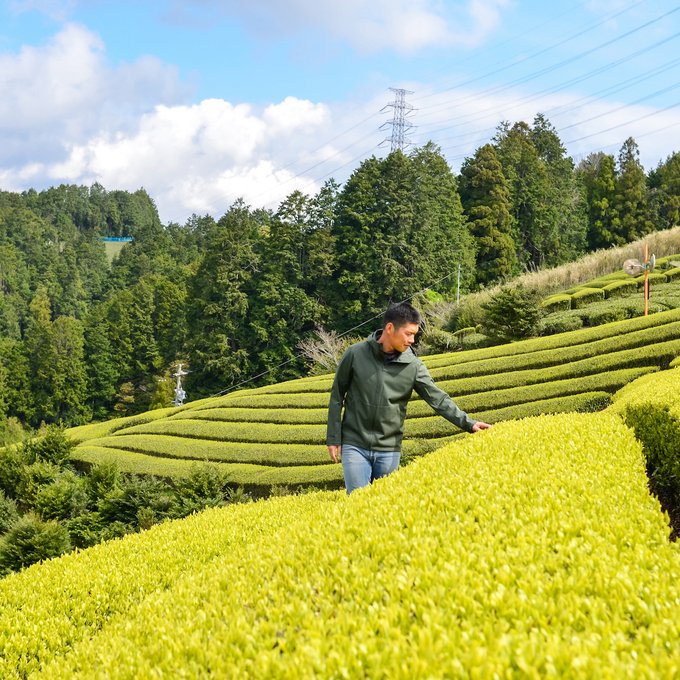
(374, 394)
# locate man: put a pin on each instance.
(373, 383)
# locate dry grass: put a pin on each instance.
(590, 266)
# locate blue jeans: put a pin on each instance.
(361, 466)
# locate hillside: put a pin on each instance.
(533, 550)
(275, 435)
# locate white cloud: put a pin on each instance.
(404, 26)
(66, 91)
(199, 158)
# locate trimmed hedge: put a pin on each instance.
(251, 477)
(582, 336)
(620, 288)
(234, 432)
(586, 296)
(556, 303)
(290, 416)
(651, 407)
(673, 275)
(277, 455)
(531, 550)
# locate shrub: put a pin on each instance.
(620, 288)
(32, 540)
(136, 492)
(85, 530)
(33, 477)
(585, 296)
(556, 303)
(52, 446)
(12, 464)
(673, 274)
(559, 322)
(475, 341)
(8, 512)
(101, 480)
(204, 487)
(511, 314)
(437, 340)
(323, 352)
(64, 498)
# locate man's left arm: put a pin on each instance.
(442, 403)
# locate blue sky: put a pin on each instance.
(205, 101)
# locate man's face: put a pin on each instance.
(400, 339)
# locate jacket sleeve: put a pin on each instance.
(440, 400)
(343, 376)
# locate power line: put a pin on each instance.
(231, 388)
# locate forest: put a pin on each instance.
(232, 297)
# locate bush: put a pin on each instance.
(559, 322)
(511, 314)
(586, 296)
(85, 530)
(32, 540)
(101, 480)
(33, 477)
(556, 303)
(12, 463)
(52, 447)
(136, 492)
(204, 487)
(436, 340)
(620, 288)
(673, 274)
(8, 512)
(64, 498)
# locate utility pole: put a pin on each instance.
(180, 394)
(399, 123)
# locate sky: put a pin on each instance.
(203, 102)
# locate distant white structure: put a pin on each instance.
(180, 394)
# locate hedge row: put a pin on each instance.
(226, 431)
(250, 476)
(560, 355)
(531, 550)
(291, 415)
(217, 451)
(233, 432)
(578, 337)
(651, 407)
(285, 409)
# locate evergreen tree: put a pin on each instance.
(69, 383)
(439, 237)
(566, 205)
(631, 221)
(399, 228)
(529, 183)
(664, 185)
(597, 174)
(39, 351)
(218, 303)
(486, 201)
(102, 369)
(281, 311)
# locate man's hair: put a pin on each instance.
(401, 314)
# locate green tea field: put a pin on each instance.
(275, 435)
(533, 549)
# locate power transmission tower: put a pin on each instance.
(400, 124)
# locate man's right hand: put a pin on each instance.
(335, 452)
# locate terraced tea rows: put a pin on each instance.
(275, 434)
(530, 550)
